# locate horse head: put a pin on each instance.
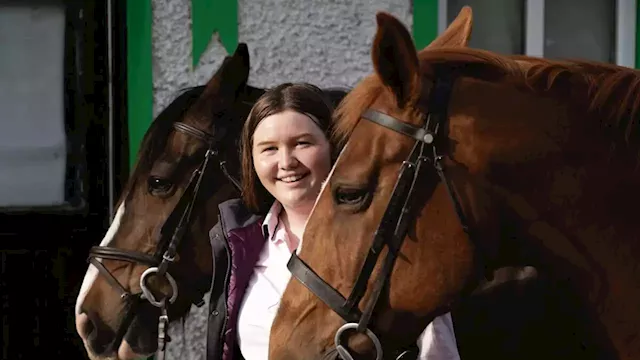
(155, 260)
(356, 194)
(457, 162)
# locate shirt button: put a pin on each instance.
(215, 313)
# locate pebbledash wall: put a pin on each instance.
(173, 44)
(319, 41)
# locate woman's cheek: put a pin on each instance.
(264, 167)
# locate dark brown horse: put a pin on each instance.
(183, 171)
(467, 162)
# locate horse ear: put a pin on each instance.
(457, 33)
(234, 72)
(240, 62)
(395, 59)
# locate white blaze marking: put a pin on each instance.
(92, 272)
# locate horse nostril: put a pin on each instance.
(84, 325)
(95, 334)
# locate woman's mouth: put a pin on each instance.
(293, 178)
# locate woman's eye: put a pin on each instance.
(159, 186)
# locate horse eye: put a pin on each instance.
(159, 186)
(356, 198)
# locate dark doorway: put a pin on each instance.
(61, 172)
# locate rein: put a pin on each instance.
(171, 235)
(423, 159)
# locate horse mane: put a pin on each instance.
(155, 139)
(611, 92)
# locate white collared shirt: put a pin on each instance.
(268, 282)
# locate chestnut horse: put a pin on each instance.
(469, 161)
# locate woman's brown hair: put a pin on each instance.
(300, 97)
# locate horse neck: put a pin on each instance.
(587, 244)
(568, 197)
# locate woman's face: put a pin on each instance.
(292, 158)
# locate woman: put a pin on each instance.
(286, 155)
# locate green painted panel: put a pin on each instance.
(425, 22)
(209, 16)
(139, 74)
(637, 37)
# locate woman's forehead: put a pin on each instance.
(286, 124)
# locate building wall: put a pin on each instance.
(323, 42)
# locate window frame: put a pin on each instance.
(625, 38)
(94, 108)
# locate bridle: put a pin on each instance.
(395, 221)
(171, 235)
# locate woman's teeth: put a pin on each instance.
(290, 179)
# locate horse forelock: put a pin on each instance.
(348, 113)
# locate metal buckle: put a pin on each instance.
(344, 353)
(147, 294)
(163, 322)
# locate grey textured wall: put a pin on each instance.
(325, 42)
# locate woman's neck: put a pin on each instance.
(295, 221)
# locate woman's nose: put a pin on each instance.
(288, 159)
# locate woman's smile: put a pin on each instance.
(293, 179)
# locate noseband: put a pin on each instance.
(172, 232)
(394, 224)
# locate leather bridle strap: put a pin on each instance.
(173, 227)
(192, 197)
(211, 140)
(327, 293)
(117, 254)
(396, 219)
(411, 171)
(348, 308)
(195, 132)
(421, 134)
(124, 293)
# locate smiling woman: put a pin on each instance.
(286, 156)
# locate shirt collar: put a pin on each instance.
(271, 220)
